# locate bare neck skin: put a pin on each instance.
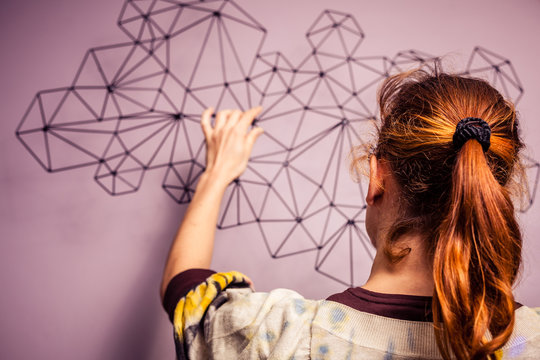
(413, 274)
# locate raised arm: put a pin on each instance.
(228, 147)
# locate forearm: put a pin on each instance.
(194, 241)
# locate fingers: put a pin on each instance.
(227, 119)
(205, 122)
(221, 119)
(247, 118)
(252, 136)
(232, 119)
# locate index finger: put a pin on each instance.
(205, 121)
(247, 118)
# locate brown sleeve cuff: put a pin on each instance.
(180, 285)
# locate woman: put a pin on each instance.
(438, 212)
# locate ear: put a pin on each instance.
(376, 181)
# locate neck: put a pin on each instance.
(412, 275)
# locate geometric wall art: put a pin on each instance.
(135, 107)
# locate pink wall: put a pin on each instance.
(80, 270)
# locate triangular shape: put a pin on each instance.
(72, 111)
(89, 73)
(67, 154)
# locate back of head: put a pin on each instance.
(456, 196)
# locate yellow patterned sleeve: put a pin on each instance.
(191, 309)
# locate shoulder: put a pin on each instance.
(524, 343)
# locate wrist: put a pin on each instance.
(211, 178)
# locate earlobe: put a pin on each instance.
(376, 183)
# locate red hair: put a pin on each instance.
(458, 200)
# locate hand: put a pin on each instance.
(228, 143)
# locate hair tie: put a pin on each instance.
(472, 128)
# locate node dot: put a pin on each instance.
(45, 128)
(216, 14)
(274, 69)
(226, 84)
(289, 90)
(285, 163)
(298, 219)
(321, 74)
(247, 79)
(113, 173)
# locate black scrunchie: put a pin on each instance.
(472, 128)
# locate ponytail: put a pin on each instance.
(458, 200)
(476, 260)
